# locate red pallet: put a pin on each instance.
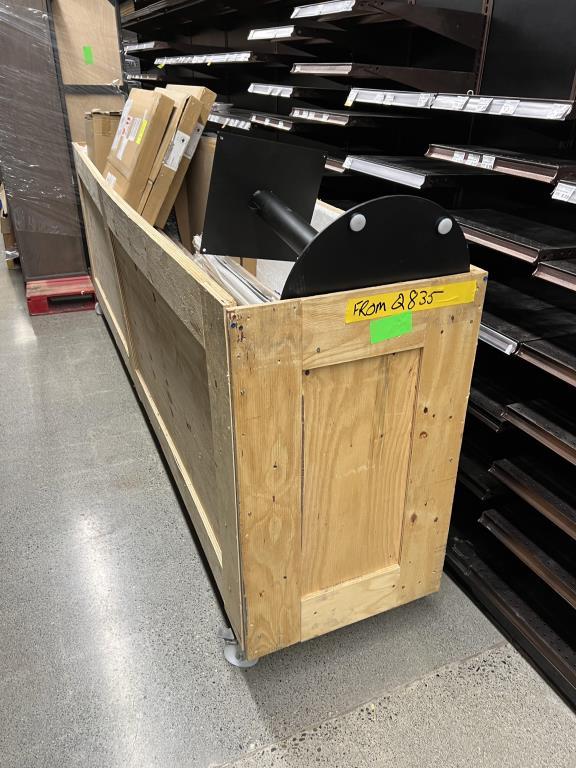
(60, 294)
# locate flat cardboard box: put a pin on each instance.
(177, 157)
(205, 95)
(140, 132)
(101, 127)
(193, 197)
(179, 100)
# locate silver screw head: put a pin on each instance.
(357, 222)
(445, 225)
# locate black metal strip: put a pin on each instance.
(91, 88)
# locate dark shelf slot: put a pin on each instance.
(224, 117)
(463, 27)
(295, 33)
(520, 238)
(475, 477)
(561, 272)
(545, 169)
(517, 618)
(146, 49)
(566, 192)
(543, 484)
(541, 420)
(417, 172)
(341, 117)
(503, 106)
(556, 356)
(535, 558)
(513, 318)
(290, 91)
(220, 59)
(487, 404)
(415, 77)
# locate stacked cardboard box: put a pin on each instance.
(156, 138)
(101, 127)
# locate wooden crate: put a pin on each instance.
(317, 463)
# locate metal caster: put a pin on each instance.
(98, 309)
(233, 653)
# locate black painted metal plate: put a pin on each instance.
(243, 165)
(399, 242)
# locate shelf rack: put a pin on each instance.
(561, 272)
(416, 77)
(416, 172)
(523, 239)
(535, 109)
(548, 170)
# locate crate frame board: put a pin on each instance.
(258, 422)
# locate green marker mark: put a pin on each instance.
(390, 327)
(88, 54)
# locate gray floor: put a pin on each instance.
(108, 625)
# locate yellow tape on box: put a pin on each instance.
(413, 300)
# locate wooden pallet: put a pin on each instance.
(61, 294)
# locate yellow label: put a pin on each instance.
(141, 131)
(410, 300)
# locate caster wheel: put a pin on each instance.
(98, 309)
(233, 655)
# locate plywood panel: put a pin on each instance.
(173, 365)
(266, 379)
(357, 436)
(351, 601)
(102, 261)
(88, 45)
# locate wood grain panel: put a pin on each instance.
(446, 370)
(104, 275)
(351, 601)
(266, 378)
(357, 436)
(173, 364)
(217, 356)
(87, 24)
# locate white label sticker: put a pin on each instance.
(488, 161)
(478, 105)
(509, 107)
(389, 98)
(423, 99)
(122, 123)
(176, 150)
(558, 111)
(325, 117)
(110, 179)
(456, 103)
(459, 157)
(564, 192)
(122, 148)
(193, 143)
(135, 127)
(351, 97)
(473, 159)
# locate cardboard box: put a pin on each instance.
(101, 127)
(193, 197)
(175, 161)
(140, 132)
(180, 100)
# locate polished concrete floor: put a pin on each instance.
(109, 649)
